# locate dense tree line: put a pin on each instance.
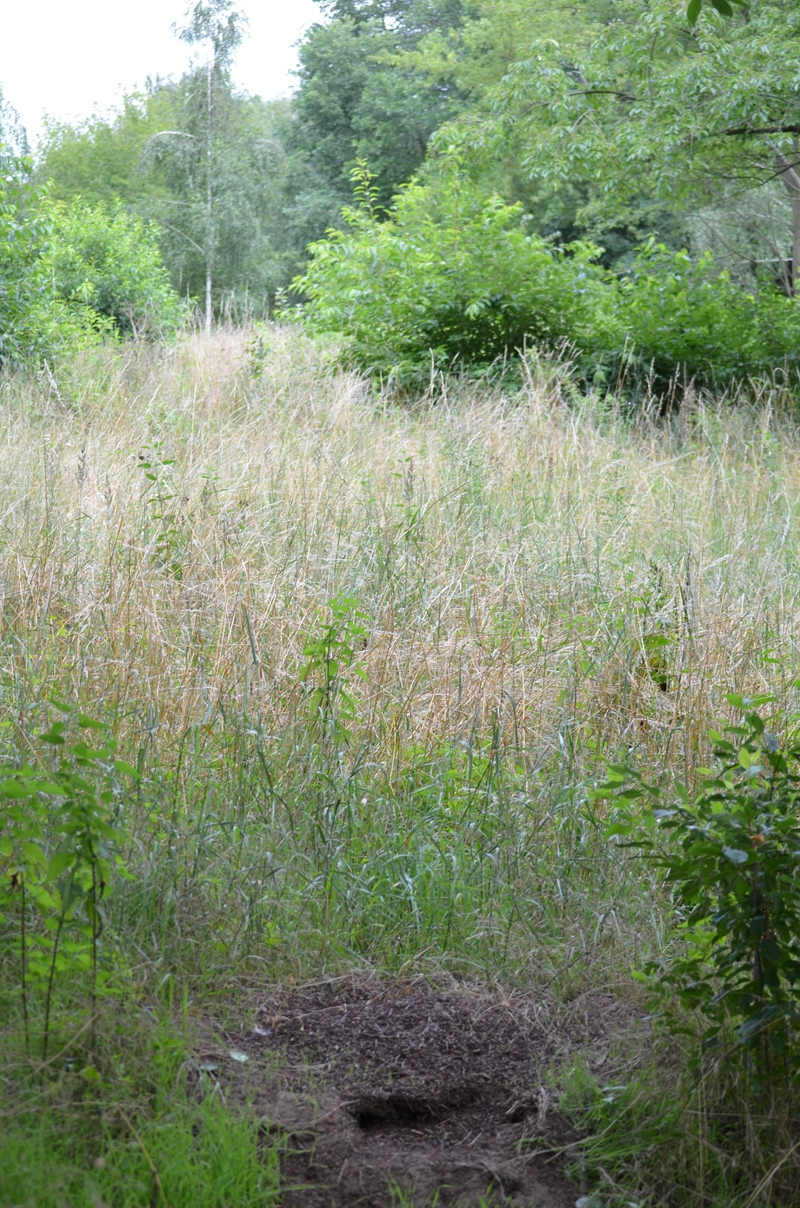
(627, 124)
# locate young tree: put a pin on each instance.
(195, 158)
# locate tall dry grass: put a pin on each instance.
(546, 587)
(593, 588)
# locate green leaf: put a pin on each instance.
(90, 723)
(735, 855)
(55, 734)
(121, 766)
(722, 6)
(772, 952)
(13, 788)
(60, 861)
(693, 10)
(32, 853)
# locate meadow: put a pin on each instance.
(369, 659)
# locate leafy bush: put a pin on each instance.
(107, 262)
(32, 321)
(683, 319)
(449, 279)
(733, 858)
(17, 255)
(72, 275)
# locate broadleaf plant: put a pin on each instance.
(732, 858)
(58, 857)
(329, 667)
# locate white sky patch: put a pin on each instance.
(68, 57)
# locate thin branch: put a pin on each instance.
(178, 231)
(624, 96)
(745, 129)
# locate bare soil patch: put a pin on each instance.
(378, 1087)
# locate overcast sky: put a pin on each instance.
(63, 57)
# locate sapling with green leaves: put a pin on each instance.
(160, 496)
(58, 848)
(732, 858)
(329, 665)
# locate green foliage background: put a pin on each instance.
(612, 186)
(451, 279)
(73, 274)
(619, 123)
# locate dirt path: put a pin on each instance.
(380, 1086)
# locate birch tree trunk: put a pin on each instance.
(788, 173)
(209, 200)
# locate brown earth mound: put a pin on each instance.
(390, 1094)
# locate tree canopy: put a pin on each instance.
(356, 98)
(653, 108)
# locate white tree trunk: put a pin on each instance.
(209, 200)
(788, 173)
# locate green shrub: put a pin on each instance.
(70, 276)
(107, 262)
(732, 856)
(33, 320)
(449, 279)
(683, 320)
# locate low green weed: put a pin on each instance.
(92, 1150)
